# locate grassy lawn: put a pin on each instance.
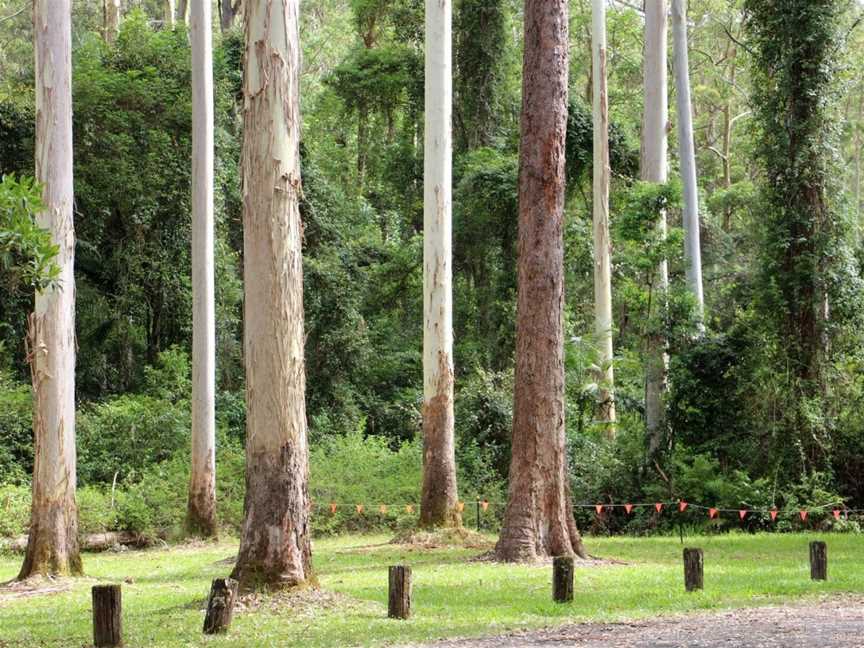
(163, 605)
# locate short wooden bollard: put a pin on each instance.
(693, 570)
(107, 622)
(399, 601)
(818, 561)
(562, 579)
(220, 605)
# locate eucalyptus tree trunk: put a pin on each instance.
(687, 154)
(169, 14)
(201, 511)
(111, 10)
(654, 169)
(539, 521)
(52, 546)
(275, 548)
(227, 13)
(183, 11)
(438, 498)
(602, 243)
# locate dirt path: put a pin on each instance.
(836, 622)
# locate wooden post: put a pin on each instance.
(818, 561)
(399, 604)
(220, 605)
(562, 579)
(107, 620)
(693, 570)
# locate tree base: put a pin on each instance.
(52, 546)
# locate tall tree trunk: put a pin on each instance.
(727, 136)
(687, 154)
(539, 519)
(169, 14)
(602, 243)
(111, 10)
(654, 169)
(275, 548)
(227, 13)
(438, 497)
(201, 517)
(183, 11)
(52, 546)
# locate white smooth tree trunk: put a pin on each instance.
(201, 517)
(275, 547)
(687, 153)
(602, 242)
(52, 546)
(655, 169)
(169, 14)
(112, 10)
(439, 497)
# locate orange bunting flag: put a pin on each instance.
(742, 513)
(599, 509)
(628, 508)
(460, 506)
(485, 505)
(382, 509)
(659, 506)
(712, 513)
(409, 508)
(836, 514)
(682, 506)
(332, 508)
(773, 513)
(803, 515)
(359, 508)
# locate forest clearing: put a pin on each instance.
(165, 591)
(431, 322)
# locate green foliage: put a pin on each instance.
(16, 431)
(15, 508)
(26, 250)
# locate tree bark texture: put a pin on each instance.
(602, 243)
(538, 520)
(52, 547)
(654, 169)
(818, 561)
(399, 592)
(562, 579)
(111, 10)
(107, 616)
(228, 10)
(693, 570)
(438, 493)
(687, 155)
(169, 17)
(275, 549)
(201, 510)
(220, 604)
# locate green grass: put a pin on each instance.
(452, 596)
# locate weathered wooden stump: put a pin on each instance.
(107, 621)
(562, 579)
(399, 602)
(693, 570)
(220, 605)
(818, 561)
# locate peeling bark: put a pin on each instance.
(439, 498)
(52, 547)
(201, 510)
(275, 548)
(539, 519)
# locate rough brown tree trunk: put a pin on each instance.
(52, 547)
(539, 520)
(275, 548)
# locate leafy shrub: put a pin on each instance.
(14, 510)
(16, 434)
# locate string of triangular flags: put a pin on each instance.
(681, 506)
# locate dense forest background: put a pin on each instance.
(758, 414)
